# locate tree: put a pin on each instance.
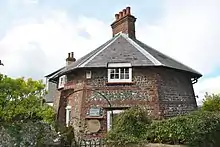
(25, 120)
(211, 102)
(22, 100)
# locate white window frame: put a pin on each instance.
(88, 74)
(50, 104)
(62, 81)
(68, 117)
(109, 115)
(120, 66)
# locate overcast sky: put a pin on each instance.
(36, 35)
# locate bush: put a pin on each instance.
(67, 135)
(211, 102)
(199, 128)
(129, 127)
(26, 134)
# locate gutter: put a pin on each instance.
(194, 80)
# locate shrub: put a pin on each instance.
(67, 135)
(199, 128)
(25, 134)
(211, 102)
(129, 127)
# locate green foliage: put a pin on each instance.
(129, 127)
(67, 135)
(22, 100)
(26, 134)
(211, 102)
(25, 119)
(197, 129)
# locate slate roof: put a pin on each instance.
(121, 48)
(55, 74)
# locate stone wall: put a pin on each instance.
(142, 91)
(161, 91)
(176, 94)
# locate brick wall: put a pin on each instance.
(160, 91)
(142, 92)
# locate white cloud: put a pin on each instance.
(188, 32)
(210, 85)
(55, 37)
(23, 2)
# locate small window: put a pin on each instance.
(68, 115)
(62, 81)
(119, 72)
(88, 75)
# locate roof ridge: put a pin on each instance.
(142, 50)
(97, 53)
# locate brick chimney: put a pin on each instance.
(124, 22)
(70, 59)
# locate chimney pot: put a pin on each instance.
(124, 23)
(70, 59)
(124, 12)
(116, 16)
(121, 14)
(128, 10)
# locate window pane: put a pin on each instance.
(69, 116)
(122, 76)
(127, 76)
(112, 70)
(122, 70)
(117, 70)
(116, 76)
(112, 76)
(126, 70)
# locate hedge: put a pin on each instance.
(200, 128)
(197, 129)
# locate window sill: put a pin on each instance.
(60, 88)
(94, 117)
(120, 83)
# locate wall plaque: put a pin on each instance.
(94, 112)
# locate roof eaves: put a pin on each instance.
(143, 51)
(55, 72)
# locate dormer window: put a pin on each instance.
(119, 72)
(62, 81)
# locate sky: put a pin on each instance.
(36, 35)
